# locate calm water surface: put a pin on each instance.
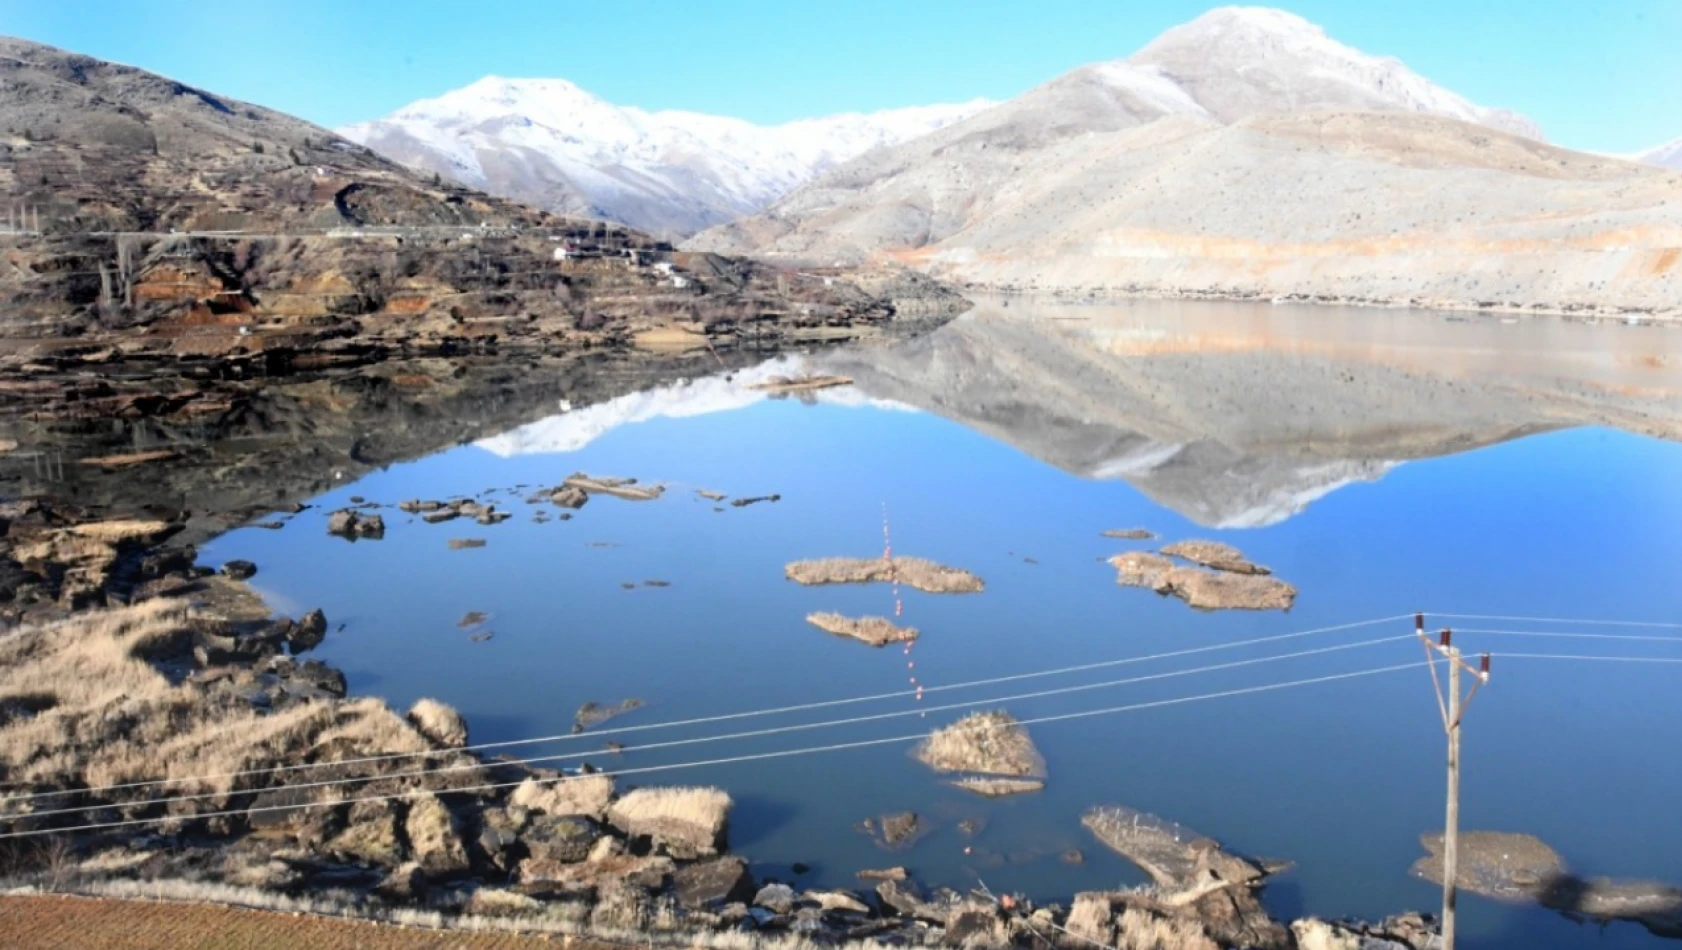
(1427, 465)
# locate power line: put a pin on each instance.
(729, 760)
(1572, 635)
(757, 733)
(1608, 659)
(727, 717)
(1581, 620)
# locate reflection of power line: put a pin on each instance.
(749, 714)
(727, 760)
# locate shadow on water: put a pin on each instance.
(756, 817)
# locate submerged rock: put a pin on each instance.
(1221, 557)
(876, 631)
(463, 544)
(308, 632)
(239, 570)
(998, 787)
(1130, 534)
(593, 714)
(349, 524)
(756, 499)
(1172, 854)
(896, 830)
(913, 572)
(569, 497)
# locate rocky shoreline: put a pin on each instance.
(1099, 294)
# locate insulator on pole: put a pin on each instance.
(1447, 637)
(1419, 622)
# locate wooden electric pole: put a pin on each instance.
(1453, 707)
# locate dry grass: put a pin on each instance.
(439, 722)
(689, 821)
(580, 795)
(988, 742)
(876, 631)
(1141, 930)
(913, 572)
(121, 532)
(104, 715)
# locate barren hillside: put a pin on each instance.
(1245, 154)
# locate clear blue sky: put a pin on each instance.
(1597, 74)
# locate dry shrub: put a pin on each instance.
(992, 742)
(572, 795)
(688, 821)
(439, 722)
(1142, 930)
(114, 718)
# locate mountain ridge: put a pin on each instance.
(1172, 174)
(551, 143)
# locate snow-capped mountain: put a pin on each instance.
(1668, 155)
(549, 143)
(1242, 61)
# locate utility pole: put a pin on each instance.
(1453, 708)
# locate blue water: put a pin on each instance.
(1340, 777)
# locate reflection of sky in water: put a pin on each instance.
(1340, 777)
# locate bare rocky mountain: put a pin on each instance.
(1246, 154)
(548, 143)
(166, 223)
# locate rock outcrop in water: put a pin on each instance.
(1520, 867)
(993, 745)
(913, 572)
(1204, 589)
(876, 631)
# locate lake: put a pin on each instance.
(1384, 462)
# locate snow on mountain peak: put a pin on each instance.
(1239, 61)
(550, 142)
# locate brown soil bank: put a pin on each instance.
(66, 923)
